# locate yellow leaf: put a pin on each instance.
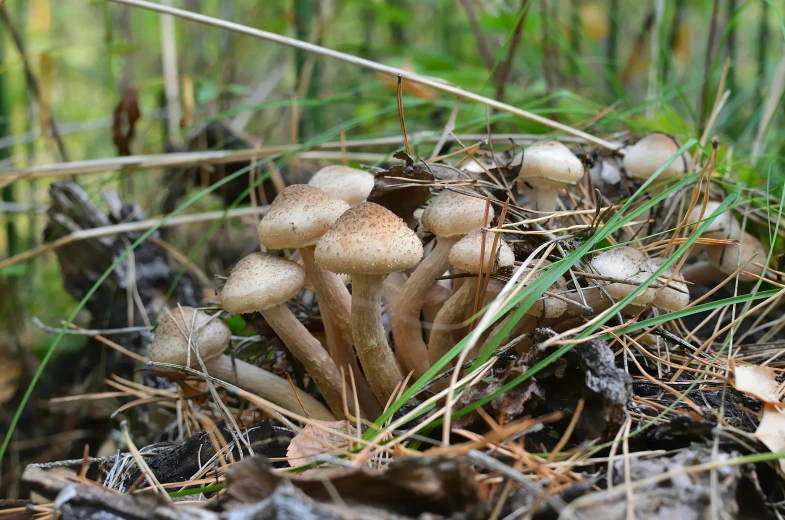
(314, 441)
(755, 381)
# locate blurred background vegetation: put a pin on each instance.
(617, 68)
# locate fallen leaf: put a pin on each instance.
(756, 381)
(392, 190)
(771, 431)
(124, 119)
(314, 441)
(9, 377)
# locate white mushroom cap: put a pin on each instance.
(465, 254)
(724, 226)
(210, 336)
(298, 217)
(624, 263)
(547, 306)
(646, 156)
(452, 213)
(369, 239)
(260, 281)
(729, 258)
(550, 160)
(675, 296)
(348, 184)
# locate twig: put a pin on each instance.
(502, 73)
(707, 64)
(482, 43)
(32, 82)
(171, 85)
(384, 69)
(776, 88)
(88, 332)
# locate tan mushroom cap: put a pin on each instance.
(550, 160)
(465, 254)
(646, 156)
(348, 184)
(724, 226)
(729, 258)
(624, 263)
(210, 337)
(369, 239)
(452, 213)
(675, 296)
(260, 281)
(547, 306)
(298, 217)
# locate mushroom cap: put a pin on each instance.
(547, 306)
(210, 337)
(675, 296)
(348, 184)
(298, 217)
(465, 254)
(260, 281)
(452, 213)
(729, 258)
(724, 226)
(369, 239)
(624, 263)
(646, 156)
(550, 160)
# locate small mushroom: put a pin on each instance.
(450, 216)
(210, 337)
(264, 283)
(722, 261)
(369, 242)
(348, 184)
(645, 157)
(465, 255)
(674, 296)
(547, 167)
(298, 217)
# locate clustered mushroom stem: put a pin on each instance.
(267, 386)
(374, 352)
(335, 307)
(449, 318)
(310, 353)
(407, 330)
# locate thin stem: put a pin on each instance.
(407, 330)
(310, 353)
(376, 357)
(450, 318)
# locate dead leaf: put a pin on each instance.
(771, 431)
(124, 119)
(755, 381)
(314, 441)
(392, 190)
(9, 377)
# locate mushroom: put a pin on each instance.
(725, 260)
(210, 337)
(264, 283)
(674, 296)
(450, 216)
(369, 242)
(645, 157)
(724, 226)
(298, 217)
(465, 255)
(628, 266)
(348, 184)
(547, 167)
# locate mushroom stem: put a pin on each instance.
(335, 307)
(702, 272)
(267, 386)
(310, 353)
(375, 354)
(407, 330)
(450, 317)
(544, 196)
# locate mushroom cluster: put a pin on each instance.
(412, 296)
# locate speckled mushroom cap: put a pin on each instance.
(210, 336)
(368, 239)
(465, 254)
(724, 226)
(675, 296)
(647, 156)
(624, 263)
(452, 213)
(260, 281)
(547, 306)
(298, 217)
(348, 184)
(550, 160)
(729, 258)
